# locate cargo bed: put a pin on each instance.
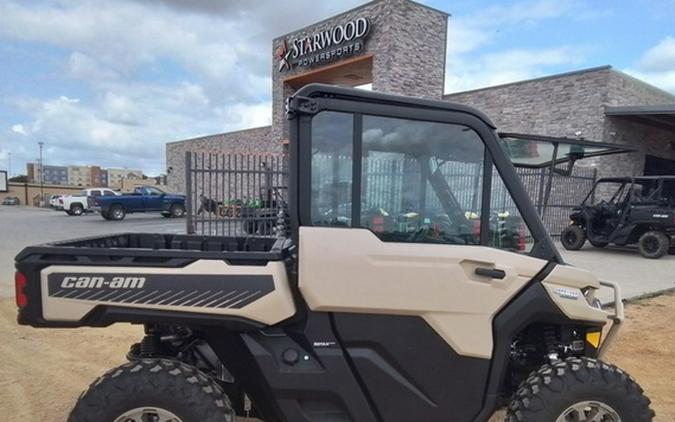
(146, 248)
(52, 292)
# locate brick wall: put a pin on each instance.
(245, 141)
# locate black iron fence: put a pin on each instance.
(235, 194)
(245, 194)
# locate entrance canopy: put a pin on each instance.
(662, 116)
(535, 151)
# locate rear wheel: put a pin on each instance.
(579, 390)
(76, 209)
(105, 215)
(153, 390)
(653, 244)
(117, 212)
(573, 237)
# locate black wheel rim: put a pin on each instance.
(570, 238)
(650, 244)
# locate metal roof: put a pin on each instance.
(662, 116)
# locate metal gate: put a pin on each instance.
(235, 194)
(245, 194)
(566, 193)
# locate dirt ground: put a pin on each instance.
(43, 371)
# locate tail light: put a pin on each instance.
(378, 224)
(19, 285)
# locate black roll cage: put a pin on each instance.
(314, 98)
(628, 183)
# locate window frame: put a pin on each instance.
(418, 110)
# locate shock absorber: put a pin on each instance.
(551, 342)
(151, 343)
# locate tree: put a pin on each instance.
(22, 178)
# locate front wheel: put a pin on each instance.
(177, 210)
(579, 390)
(573, 237)
(153, 390)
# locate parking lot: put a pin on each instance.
(24, 226)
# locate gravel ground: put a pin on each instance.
(44, 371)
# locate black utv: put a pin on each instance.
(626, 211)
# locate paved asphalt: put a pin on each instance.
(24, 226)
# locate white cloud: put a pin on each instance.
(657, 65)
(659, 58)
(466, 70)
(20, 129)
(147, 72)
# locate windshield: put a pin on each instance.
(538, 151)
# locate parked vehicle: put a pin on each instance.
(79, 204)
(352, 321)
(624, 211)
(143, 199)
(54, 201)
(11, 200)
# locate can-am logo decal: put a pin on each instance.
(567, 293)
(102, 282)
(336, 42)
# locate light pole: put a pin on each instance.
(9, 164)
(42, 175)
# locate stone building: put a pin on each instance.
(399, 47)
(599, 104)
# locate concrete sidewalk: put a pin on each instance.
(637, 276)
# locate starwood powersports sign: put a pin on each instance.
(336, 42)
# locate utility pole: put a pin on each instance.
(9, 164)
(42, 175)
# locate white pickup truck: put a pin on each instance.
(78, 204)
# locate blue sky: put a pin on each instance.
(109, 83)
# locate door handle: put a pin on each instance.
(490, 272)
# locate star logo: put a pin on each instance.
(283, 53)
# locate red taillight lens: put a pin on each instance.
(19, 284)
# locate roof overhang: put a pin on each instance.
(661, 116)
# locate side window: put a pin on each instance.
(96, 193)
(507, 228)
(331, 199)
(421, 181)
(109, 193)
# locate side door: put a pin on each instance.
(152, 199)
(410, 238)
